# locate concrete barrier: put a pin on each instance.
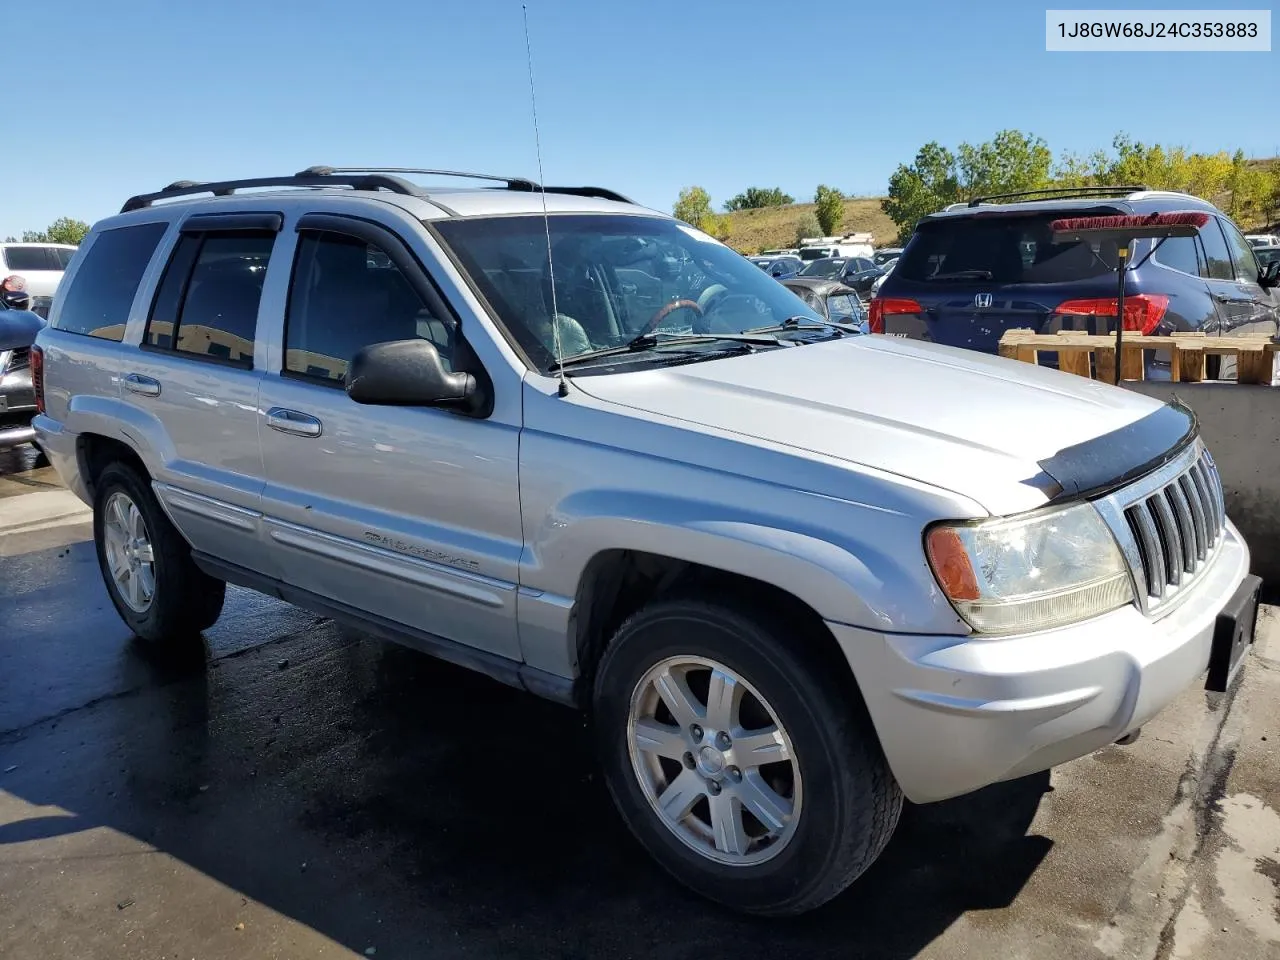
(1240, 425)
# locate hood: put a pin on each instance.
(1011, 436)
(18, 328)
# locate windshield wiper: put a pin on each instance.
(806, 323)
(647, 341)
(963, 275)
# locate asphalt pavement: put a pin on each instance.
(292, 790)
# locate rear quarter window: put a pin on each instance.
(98, 300)
(1179, 253)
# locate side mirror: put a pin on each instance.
(1269, 275)
(406, 373)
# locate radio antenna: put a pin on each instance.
(546, 220)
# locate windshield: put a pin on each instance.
(1004, 249)
(614, 274)
(823, 268)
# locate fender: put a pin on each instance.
(791, 540)
(116, 419)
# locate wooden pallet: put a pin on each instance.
(1092, 355)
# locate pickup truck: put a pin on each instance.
(792, 572)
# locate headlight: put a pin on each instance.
(1030, 573)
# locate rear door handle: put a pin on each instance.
(143, 386)
(293, 422)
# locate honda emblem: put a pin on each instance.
(982, 301)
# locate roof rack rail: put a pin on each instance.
(1152, 192)
(599, 193)
(306, 178)
(1063, 193)
(513, 183)
(358, 178)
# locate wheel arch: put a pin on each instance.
(618, 582)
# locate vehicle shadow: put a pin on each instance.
(379, 796)
(557, 859)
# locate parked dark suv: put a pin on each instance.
(975, 270)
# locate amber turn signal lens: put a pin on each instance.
(951, 564)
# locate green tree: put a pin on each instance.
(807, 226)
(924, 187)
(1269, 190)
(753, 198)
(62, 230)
(1169, 168)
(1009, 162)
(829, 208)
(693, 206)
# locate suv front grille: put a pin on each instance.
(1169, 525)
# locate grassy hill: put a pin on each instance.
(751, 231)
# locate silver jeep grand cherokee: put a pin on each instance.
(794, 573)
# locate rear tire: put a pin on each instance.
(832, 803)
(146, 565)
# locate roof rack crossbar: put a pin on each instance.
(223, 188)
(515, 183)
(1064, 192)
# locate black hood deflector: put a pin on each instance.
(1116, 458)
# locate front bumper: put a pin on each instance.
(957, 713)
(17, 407)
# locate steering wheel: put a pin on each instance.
(666, 310)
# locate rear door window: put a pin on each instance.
(102, 291)
(1013, 249)
(207, 304)
(1217, 255)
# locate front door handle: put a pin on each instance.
(143, 386)
(293, 422)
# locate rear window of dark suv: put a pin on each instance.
(1002, 249)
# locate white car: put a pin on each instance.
(1262, 239)
(887, 267)
(41, 265)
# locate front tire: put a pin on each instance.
(738, 758)
(146, 565)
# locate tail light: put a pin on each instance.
(882, 307)
(37, 376)
(1142, 311)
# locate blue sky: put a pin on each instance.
(646, 98)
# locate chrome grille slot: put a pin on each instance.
(1173, 525)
